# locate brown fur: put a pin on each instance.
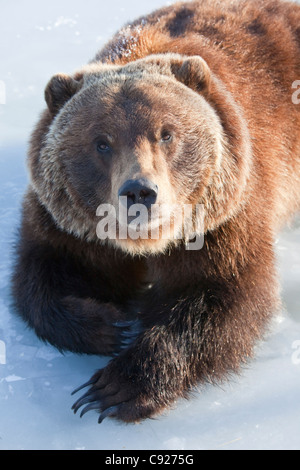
(217, 76)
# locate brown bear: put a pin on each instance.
(191, 105)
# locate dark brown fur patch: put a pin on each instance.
(297, 32)
(181, 22)
(256, 28)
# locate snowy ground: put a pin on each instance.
(259, 410)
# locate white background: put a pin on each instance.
(258, 410)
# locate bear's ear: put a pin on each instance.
(59, 90)
(192, 71)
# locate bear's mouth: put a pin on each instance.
(140, 221)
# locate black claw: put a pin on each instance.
(130, 334)
(91, 406)
(109, 412)
(124, 324)
(87, 384)
(88, 397)
(133, 331)
(125, 343)
(130, 331)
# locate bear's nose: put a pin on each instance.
(139, 191)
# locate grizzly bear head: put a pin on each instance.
(161, 132)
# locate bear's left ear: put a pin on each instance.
(59, 90)
(193, 72)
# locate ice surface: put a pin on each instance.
(258, 410)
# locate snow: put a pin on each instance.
(260, 409)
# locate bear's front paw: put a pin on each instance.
(114, 395)
(98, 328)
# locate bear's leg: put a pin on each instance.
(201, 339)
(53, 293)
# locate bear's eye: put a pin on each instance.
(103, 147)
(166, 137)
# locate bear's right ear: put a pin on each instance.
(59, 90)
(193, 72)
